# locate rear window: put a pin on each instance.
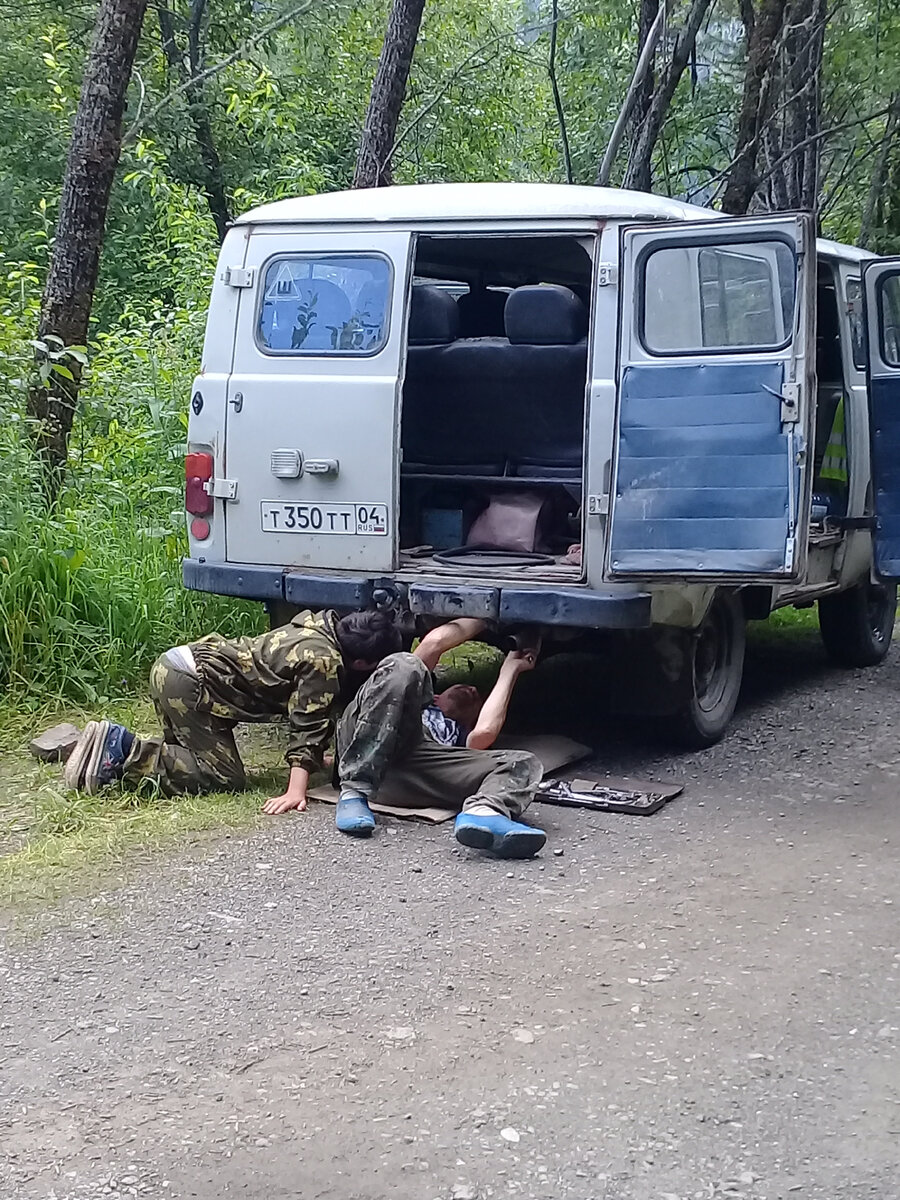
(854, 313)
(718, 298)
(325, 304)
(889, 305)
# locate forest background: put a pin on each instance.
(746, 106)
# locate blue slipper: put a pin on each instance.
(505, 838)
(354, 816)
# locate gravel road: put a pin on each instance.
(699, 1004)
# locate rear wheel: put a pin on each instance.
(715, 668)
(856, 625)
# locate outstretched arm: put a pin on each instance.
(447, 637)
(493, 713)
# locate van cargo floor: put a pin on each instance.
(416, 566)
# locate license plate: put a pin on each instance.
(354, 519)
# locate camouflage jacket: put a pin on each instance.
(293, 670)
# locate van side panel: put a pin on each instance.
(207, 406)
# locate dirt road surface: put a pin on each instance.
(699, 1004)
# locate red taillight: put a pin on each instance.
(198, 469)
(199, 529)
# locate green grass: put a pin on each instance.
(87, 602)
(54, 843)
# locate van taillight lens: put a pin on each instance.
(198, 469)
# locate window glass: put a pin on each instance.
(325, 305)
(889, 303)
(711, 298)
(855, 317)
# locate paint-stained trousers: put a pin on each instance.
(197, 752)
(384, 753)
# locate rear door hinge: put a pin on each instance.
(606, 274)
(221, 489)
(598, 506)
(789, 548)
(238, 277)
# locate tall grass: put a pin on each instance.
(90, 590)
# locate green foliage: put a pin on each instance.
(91, 593)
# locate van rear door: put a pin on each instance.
(715, 401)
(881, 306)
(312, 416)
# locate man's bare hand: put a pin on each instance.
(283, 804)
(294, 797)
(522, 660)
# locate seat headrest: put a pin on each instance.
(545, 314)
(433, 317)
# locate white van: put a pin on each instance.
(674, 405)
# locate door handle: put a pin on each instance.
(321, 466)
(790, 402)
(237, 401)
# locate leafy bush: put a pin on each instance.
(91, 591)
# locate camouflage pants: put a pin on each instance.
(384, 753)
(196, 752)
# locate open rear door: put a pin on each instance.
(715, 401)
(881, 293)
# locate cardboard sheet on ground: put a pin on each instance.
(554, 753)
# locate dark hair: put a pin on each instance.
(369, 636)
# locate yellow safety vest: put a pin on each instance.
(834, 464)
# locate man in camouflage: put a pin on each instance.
(398, 743)
(201, 691)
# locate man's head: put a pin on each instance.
(462, 703)
(365, 638)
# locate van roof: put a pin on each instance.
(490, 201)
(474, 201)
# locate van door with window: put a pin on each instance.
(311, 427)
(716, 388)
(881, 290)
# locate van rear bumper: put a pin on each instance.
(617, 607)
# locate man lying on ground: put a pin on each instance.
(203, 690)
(399, 743)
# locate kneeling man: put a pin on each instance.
(203, 690)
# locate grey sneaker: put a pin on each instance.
(77, 762)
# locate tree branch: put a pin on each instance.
(640, 74)
(218, 67)
(557, 99)
(816, 137)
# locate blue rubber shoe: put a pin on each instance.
(354, 816)
(499, 835)
(108, 756)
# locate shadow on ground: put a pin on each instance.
(575, 694)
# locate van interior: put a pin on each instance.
(830, 494)
(492, 433)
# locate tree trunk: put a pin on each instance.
(795, 181)
(762, 30)
(93, 157)
(373, 163)
(639, 164)
(642, 68)
(649, 9)
(210, 177)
